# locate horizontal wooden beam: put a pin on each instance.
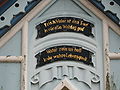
(11, 59)
(114, 56)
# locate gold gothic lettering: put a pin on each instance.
(62, 27)
(64, 24)
(51, 50)
(79, 50)
(58, 21)
(66, 55)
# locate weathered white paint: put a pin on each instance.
(25, 38)
(106, 50)
(11, 59)
(24, 54)
(114, 56)
(114, 44)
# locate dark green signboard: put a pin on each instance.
(64, 53)
(64, 24)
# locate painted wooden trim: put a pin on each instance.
(24, 54)
(24, 38)
(106, 58)
(114, 56)
(100, 15)
(11, 59)
(20, 24)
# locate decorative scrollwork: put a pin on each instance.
(35, 79)
(95, 78)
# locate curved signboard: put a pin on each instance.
(64, 53)
(64, 24)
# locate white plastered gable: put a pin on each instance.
(38, 8)
(23, 25)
